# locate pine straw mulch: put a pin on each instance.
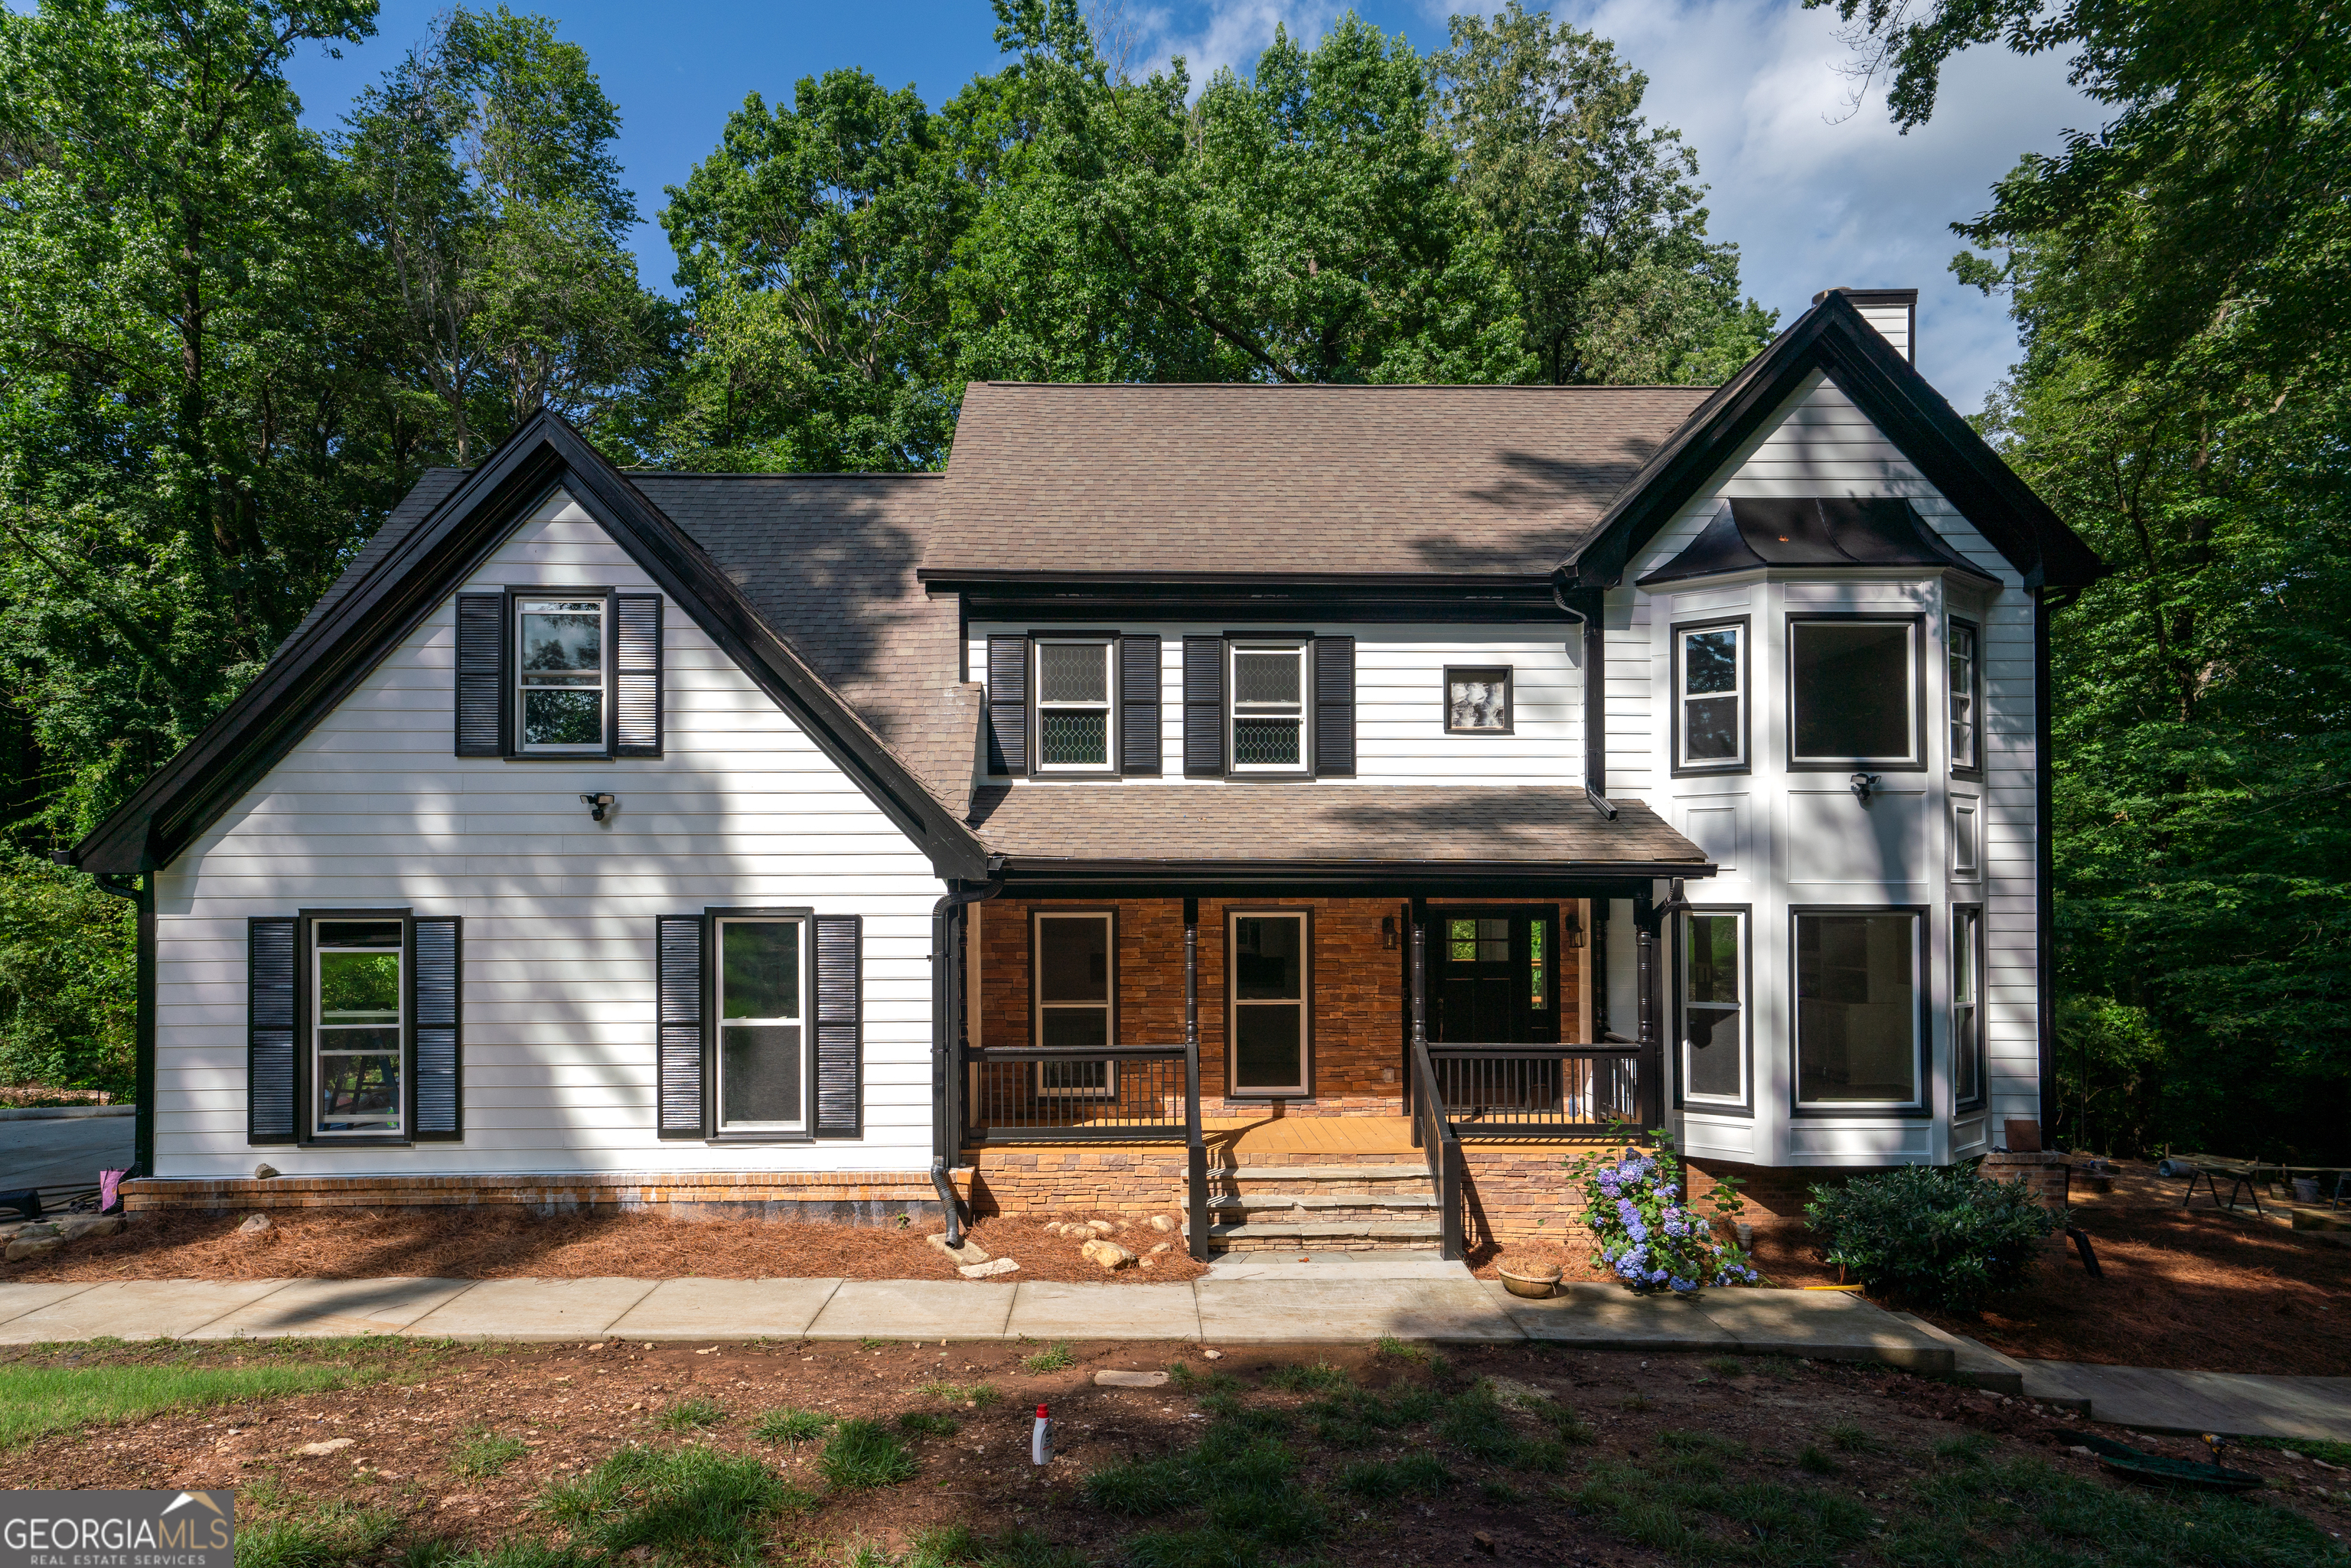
(2192, 1290)
(483, 1244)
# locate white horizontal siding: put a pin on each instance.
(371, 809)
(1400, 734)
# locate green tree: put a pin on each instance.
(1596, 213)
(814, 246)
(484, 164)
(183, 357)
(2178, 277)
(1301, 224)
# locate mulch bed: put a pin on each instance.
(487, 1244)
(573, 1406)
(2194, 1289)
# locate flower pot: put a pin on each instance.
(1535, 1282)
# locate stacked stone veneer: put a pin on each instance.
(864, 1198)
(1357, 991)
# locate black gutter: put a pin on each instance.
(141, 893)
(947, 995)
(1590, 614)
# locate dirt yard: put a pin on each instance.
(2199, 1289)
(478, 1244)
(1341, 1455)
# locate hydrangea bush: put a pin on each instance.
(1651, 1236)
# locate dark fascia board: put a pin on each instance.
(1246, 596)
(1022, 870)
(1833, 338)
(307, 678)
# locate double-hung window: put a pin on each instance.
(1268, 717)
(762, 1056)
(1077, 722)
(559, 671)
(1077, 996)
(1857, 1008)
(1853, 692)
(1967, 697)
(1967, 1006)
(1710, 697)
(358, 986)
(1714, 1011)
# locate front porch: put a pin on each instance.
(1282, 1072)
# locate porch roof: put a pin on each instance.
(1507, 830)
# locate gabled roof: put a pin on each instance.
(1081, 482)
(406, 571)
(1833, 338)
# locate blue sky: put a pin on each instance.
(1815, 192)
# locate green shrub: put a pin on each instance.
(1941, 1237)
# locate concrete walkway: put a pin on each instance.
(1304, 1303)
(2236, 1404)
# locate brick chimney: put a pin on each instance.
(1893, 311)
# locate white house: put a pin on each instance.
(1301, 806)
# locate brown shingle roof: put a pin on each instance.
(1290, 478)
(1337, 824)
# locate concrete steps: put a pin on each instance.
(1335, 1207)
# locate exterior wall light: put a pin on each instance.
(1863, 784)
(597, 805)
(1388, 933)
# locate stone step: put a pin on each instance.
(1417, 1171)
(1347, 1234)
(1319, 1207)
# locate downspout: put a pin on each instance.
(947, 995)
(1595, 691)
(2044, 857)
(141, 894)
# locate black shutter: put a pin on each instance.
(1204, 707)
(1008, 705)
(839, 1038)
(1334, 707)
(1138, 704)
(440, 1052)
(637, 676)
(677, 945)
(269, 1031)
(482, 674)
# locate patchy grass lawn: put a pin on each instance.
(59, 1394)
(892, 1455)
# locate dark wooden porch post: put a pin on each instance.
(1196, 1150)
(1651, 1074)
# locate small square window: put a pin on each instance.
(1478, 700)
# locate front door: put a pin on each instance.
(1493, 976)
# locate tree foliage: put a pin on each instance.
(2177, 274)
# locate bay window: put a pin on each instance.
(1853, 692)
(1710, 697)
(1967, 1007)
(1858, 1028)
(1714, 1011)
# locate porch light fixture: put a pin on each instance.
(1388, 933)
(1572, 930)
(1863, 784)
(597, 805)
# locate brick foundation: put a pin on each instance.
(2046, 1175)
(1043, 1181)
(861, 1197)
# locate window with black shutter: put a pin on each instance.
(558, 673)
(758, 1031)
(354, 1028)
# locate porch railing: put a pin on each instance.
(1504, 1091)
(1120, 1093)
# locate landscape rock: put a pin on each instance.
(1130, 1379)
(1101, 1226)
(1163, 1222)
(329, 1446)
(970, 1252)
(256, 1224)
(1164, 1247)
(21, 1249)
(1109, 1254)
(92, 1225)
(982, 1270)
(264, 1171)
(1213, 1355)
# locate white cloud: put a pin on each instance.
(1235, 32)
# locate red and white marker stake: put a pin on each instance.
(1040, 1440)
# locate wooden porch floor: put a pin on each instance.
(1313, 1136)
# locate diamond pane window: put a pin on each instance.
(1073, 706)
(1268, 708)
(559, 671)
